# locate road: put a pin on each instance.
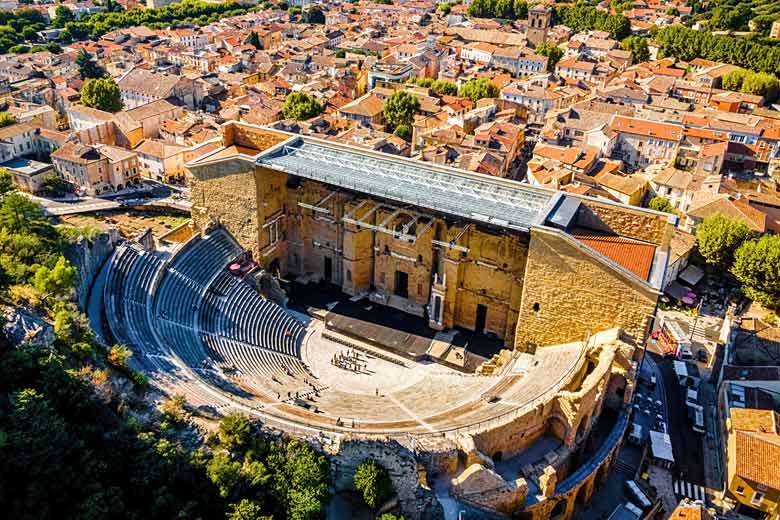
(78, 205)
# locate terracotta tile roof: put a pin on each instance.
(752, 420)
(734, 209)
(635, 256)
(368, 105)
(756, 457)
(646, 128)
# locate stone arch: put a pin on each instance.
(559, 509)
(601, 474)
(582, 428)
(583, 494)
(558, 427)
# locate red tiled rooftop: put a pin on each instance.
(633, 255)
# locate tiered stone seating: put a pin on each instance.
(192, 309)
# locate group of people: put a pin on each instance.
(349, 360)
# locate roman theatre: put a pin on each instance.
(477, 336)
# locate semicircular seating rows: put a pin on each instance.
(189, 306)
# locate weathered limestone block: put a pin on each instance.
(439, 455)
(21, 327)
(547, 481)
(473, 455)
(484, 487)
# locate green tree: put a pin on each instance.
(757, 266)
(400, 108)
(118, 355)
(301, 106)
(762, 84)
(103, 94)
(391, 516)
(503, 9)
(403, 131)
(719, 237)
(734, 79)
(6, 182)
(234, 431)
(254, 40)
(57, 280)
(553, 53)
(88, 68)
(224, 472)
(64, 326)
(6, 119)
(444, 8)
(660, 204)
(340, 53)
(521, 9)
(444, 88)
(373, 482)
(477, 89)
(314, 15)
(638, 48)
(18, 214)
(247, 510)
(62, 15)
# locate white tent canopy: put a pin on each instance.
(661, 446)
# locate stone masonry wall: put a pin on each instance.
(624, 221)
(415, 499)
(231, 199)
(568, 294)
(88, 258)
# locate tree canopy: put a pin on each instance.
(660, 204)
(88, 68)
(103, 94)
(507, 9)
(314, 15)
(477, 89)
(373, 482)
(189, 11)
(757, 266)
(686, 44)
(6, 119)
(400, 108)
(301, 106)
(553, 53)
(637, 47)
(719, 237)
(586, 18)
(76, 441)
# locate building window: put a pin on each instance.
(758, 497)
(349, 275)
(382, 278)
(419, 289)
(741, 490)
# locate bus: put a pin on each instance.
(672, 339)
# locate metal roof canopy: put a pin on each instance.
(499, 202)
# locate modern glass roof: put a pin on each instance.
(442, 189)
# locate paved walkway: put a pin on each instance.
(661, 480)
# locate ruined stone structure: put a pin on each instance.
(568, 283)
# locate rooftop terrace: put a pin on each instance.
(438, 188)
